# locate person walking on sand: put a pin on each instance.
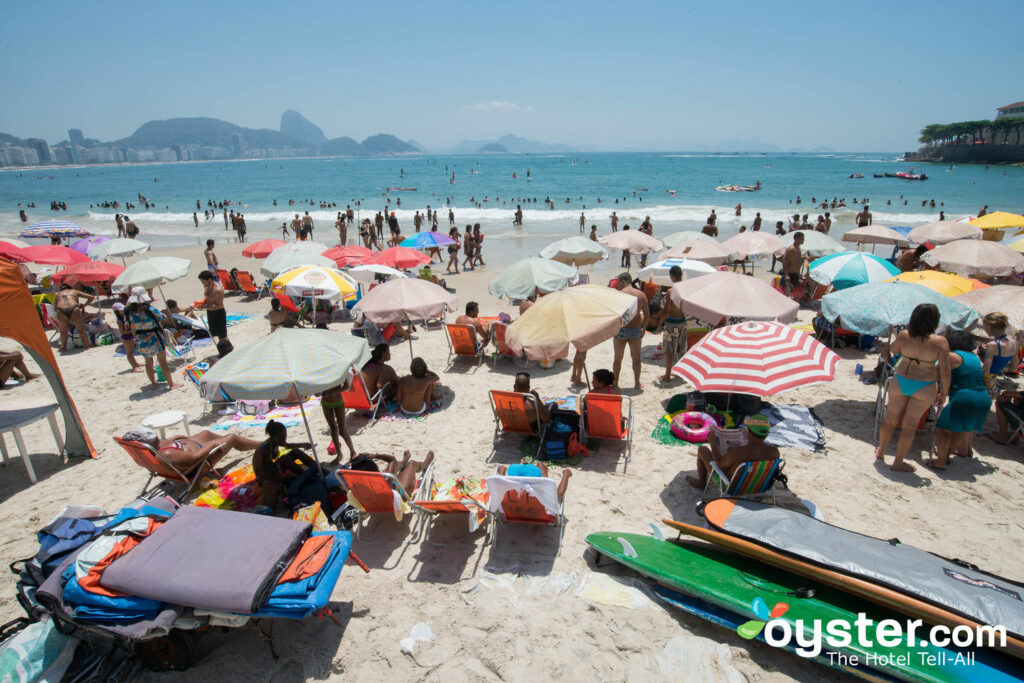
(342, 227)
(631, 333)
(211, 258)
(468, 248)
(213, 304)
(284, 231)
(478, 245)
(453, 252)
(148, 335)
(673, 328)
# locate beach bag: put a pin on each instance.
(563, 430)
(37, 653)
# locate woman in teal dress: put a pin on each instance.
(969, 402)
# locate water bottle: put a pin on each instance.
(159, 374)
(858, 370)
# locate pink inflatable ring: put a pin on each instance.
(692, 427)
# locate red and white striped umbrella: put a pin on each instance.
(759, 358)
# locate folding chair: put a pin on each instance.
(477, 515)
(695, 334)
(151, 460)
(516, 413)
(194, 374)
(503, 349)
(526, 500)
(176, 350)
(378, 493)
(357, 397)
(462, 342)
(749, 479)
(604, 417)
(247, 285)
(225, 280)
(48, 314)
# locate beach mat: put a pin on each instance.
(793, 426)
(289, 416)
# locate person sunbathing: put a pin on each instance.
(536, 470)
(184, 451)
(404, 470)
(754, 450)
(12, 365)
(417, 390)
(377, 373)
(283, 469)
(472, 318)
(279, 317)
(522, 386)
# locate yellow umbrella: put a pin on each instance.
(1017, 246)
(943, 283)
(314, 282)
(998, 220)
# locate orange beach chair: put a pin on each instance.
(609, 416)
(357, 397)
(526, 500)
(246, 283)
(151, 460)
(503, 349)
(516, 413)
(378, 493)
(462, 342)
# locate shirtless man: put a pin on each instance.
(864, 217)
(910, 259)
(342, 227)
(211, 258)
(710, 229)
(632, 333)
(756, 225)
(472, 317)
(583, 222)
(350, 215)
(120, 224)
(673, 340)
(416, 390)
(792, 262)
(307, 226)
(296, 226)
(69, 313)
(131, 231)
(828, 222)
(417, 221)
(378, 223)
(279, 317)
(522, 386)
(754, 450)
(213, 303)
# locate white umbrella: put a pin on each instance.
(731, 295)
(403, 299)
(754, 244)
(633, 241)
(976, 257)
(710, 252)
(152, 272)
(875, 234)
(685, 236)
(295, 254)
(119, 248)
(369, 272)
(941, 232)
(658, 273)
(816, 244)
(575, 251)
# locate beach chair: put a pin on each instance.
(225, 280)
(176, 350)
(584, 279)
(245, 282)
(503, 350)
(151, 460)
(48, 314)
(609, 416)
(472, 509)
(516, 413)
(378, 493)
(193, 373)
(526, 500)
(357, 397)
(462, 342)
(749, 479)
(286, 303)
(695, 334)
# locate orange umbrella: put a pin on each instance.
(399, 257)
(262, 248)
(349, 256)
(943, 283)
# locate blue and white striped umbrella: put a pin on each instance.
(875, 308)
(851, 268)
(55, 228)
(529, 275)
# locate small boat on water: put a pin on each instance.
(907, 176)
(739, 188)
(856, 175)
(879, 175)
(401, 189)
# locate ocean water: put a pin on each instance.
(677, 190)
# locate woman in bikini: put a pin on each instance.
(69, 313)
(924, 359)
(332, 402)
(1001, 352)
(185, 451)
(453, 252)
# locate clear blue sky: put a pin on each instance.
(861, 76)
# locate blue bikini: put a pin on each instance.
(999, 361)
(909, 387)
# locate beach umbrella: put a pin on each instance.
(582, 316)
(976, 257)
(427, 240)
(12, 253)
(948, 284)
(731, 295)
(658, 272)
(400, 257)
(84, 245)
(152, 272)
(876, 307)
(816, 244)
(941, 232)
(292, 255)
(369, 272)
(711, 253)
(13, 242)
(314, 282)
(403, 299)
(851, 268)
(263, 248)
(349, 256)
(875, 234)
(1017, 246)
(120, 247)
(1008, 299)
(55, 228)
(89, 271)
(754, 244)
(575, 251)
(286, 363)
(633, 241)
(998, 220)
(531, 275)
(52, 255)
(757, 358)
(684, 237)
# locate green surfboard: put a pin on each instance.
(752, 590)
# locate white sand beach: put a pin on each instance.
(504, 613)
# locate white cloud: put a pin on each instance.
(497, 105)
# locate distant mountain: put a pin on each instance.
(295, 125)
(419, 146)
(382, 143)
(5, 138)
(513, 144)
(492, 148)
(204, 132)
(340, 147)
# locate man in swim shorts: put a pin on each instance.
(673, 337)
(792, 262)
(631, 333)
(471, 317)
(213, 302)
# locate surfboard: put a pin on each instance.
(754, 591)
(897, 576)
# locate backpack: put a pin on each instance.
(562, 438)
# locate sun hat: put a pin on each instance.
(139, 296)
(758, 425)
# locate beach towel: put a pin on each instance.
(237, 490)
(289, 416)
(795, 426)
(458, 488)
(544, 490)
(396, 414)
(232, 319)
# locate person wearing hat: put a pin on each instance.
(148, 335)
(754, 450)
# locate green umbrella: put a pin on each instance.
(876, 307)
(523, 278)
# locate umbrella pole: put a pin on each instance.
(586, 374)
(162, 295)
(309, 432)
(411, 356)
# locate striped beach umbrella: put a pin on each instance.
(758, 358)
(851, 268)
(426, 240)
(574, 251)
(531, 275)
(314, 282)
(877, 307)
(55, 228)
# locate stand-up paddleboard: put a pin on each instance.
(903, 578)
(747, 588)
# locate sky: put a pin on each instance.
(862, 76)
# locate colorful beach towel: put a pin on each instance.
(289, 416)
(458, 488)
(237, 490)
(395, 413)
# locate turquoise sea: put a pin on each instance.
(677, 190)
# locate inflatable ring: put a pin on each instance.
(692, 427)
